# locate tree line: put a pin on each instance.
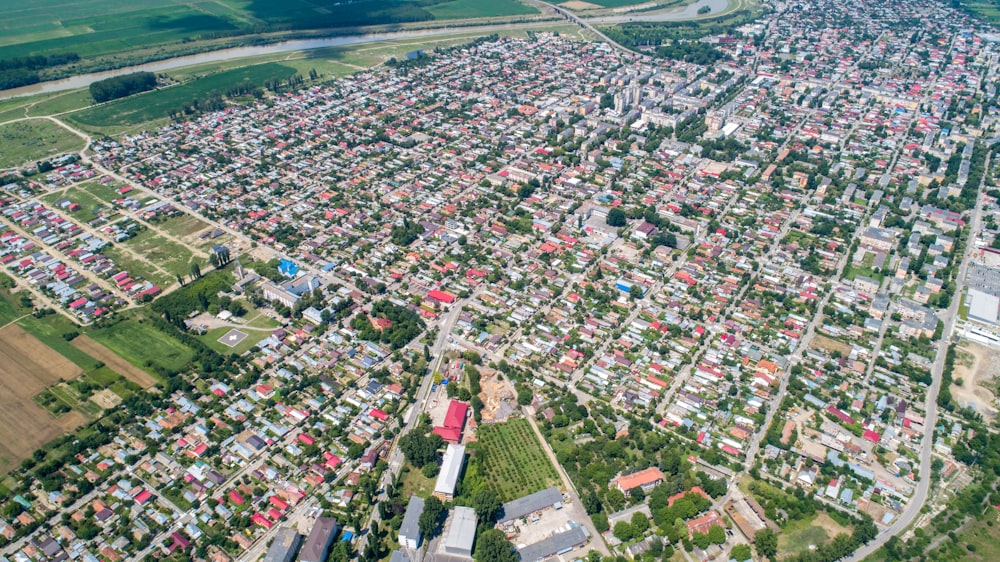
(121, 86)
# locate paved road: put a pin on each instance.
(596, 540)
(916, 502)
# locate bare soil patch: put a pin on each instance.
(28, 368)
(578, 5)
(112, 360)
(831, 345)
(106, 399)
(978, 367)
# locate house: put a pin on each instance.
(704, 523)
(646, 479)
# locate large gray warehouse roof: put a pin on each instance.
(531, 503)
(556, 543)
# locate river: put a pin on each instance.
(83, 80)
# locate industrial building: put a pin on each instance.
(532, 503)
(318, 544)
(558, 543)
(451, 469)
(285, 546)
(461, 533)
(409, 531)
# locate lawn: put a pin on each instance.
(29, 141)
(152, 106)
(143, 345)
(512, 459)
(415, 483)
(798, 535)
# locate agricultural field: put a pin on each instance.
(29, 141)
(574, 4)
(143, 345)
(149, 107)
(456, 9)
(112, 360)
(105, 28)
(29, 367)
(512, 460)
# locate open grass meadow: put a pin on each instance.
(512, 461)
(90, 206)
(29, 141)
(143, 345)
(159, 104)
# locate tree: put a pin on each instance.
(487, 505)
(430, 517)
(640, 523)
(766, 543)
(493, 546)
(195, 271)
(419, 448)
(616, 217)
(740, 553)
(635, 292)
(624, 531)
(716, 534)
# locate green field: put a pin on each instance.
(512, 460)
(184, 225)
(100, 28)
(158, 104)
(79, 194)
(614, 3)
(143, 345)
(455, 9)
(30, 141)
(168, 255)
(798, 535)
(50, 330)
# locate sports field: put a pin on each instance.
(29, 367)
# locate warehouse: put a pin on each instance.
(451, 468)
(461, 532)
